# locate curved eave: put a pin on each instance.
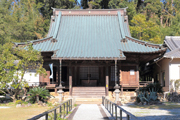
(33, 41)
(143, 42)
(171, 57)
(134, 52)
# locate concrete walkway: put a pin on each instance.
(88, 112)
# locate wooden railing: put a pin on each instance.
(113, 108)
(63, 108)
(144, 83)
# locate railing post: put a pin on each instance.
(64, 110)
(67, 108)
(108, 105)
(69, 105)
(102, 100)
(127, 117)
(112, 109)
(60, 112)
(116, 111)
(120, 114)
(47, 116)
(55, 114)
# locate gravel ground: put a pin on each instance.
(154, 114)
(149, 114)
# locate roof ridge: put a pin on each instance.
(32, 41)
(89, 9)
(171, 52)
(121, 25)
(174, 43)
(144, 42)
(57, 23)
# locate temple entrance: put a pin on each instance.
(89, 75)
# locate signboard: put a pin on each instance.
(132, 72)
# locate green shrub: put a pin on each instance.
(148, 94)
(49, 104)
(18, 102)
(151, 87)
(38, 94)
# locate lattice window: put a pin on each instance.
(92, 70)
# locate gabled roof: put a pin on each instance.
(92, 34)
(173, 54)
(173, 43)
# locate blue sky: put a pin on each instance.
(79, 1)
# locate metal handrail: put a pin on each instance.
(110, 106)
(67, 106)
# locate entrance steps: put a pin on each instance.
(88, 100)
(88, 92)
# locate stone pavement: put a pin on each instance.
(88, 112)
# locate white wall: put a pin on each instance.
(171, 69)
(174, 72)
(31, 78)
(174, 66)
(159, 68)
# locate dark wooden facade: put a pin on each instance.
(102, 72)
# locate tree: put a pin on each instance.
(20, 21)
(95, 4)
(14, 63)
(145, 30)
(5, 20)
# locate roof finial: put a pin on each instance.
(125, 11)
(53, 9)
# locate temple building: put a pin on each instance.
(93, 49)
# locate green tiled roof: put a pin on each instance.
(91, 37)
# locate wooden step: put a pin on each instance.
(88, 92)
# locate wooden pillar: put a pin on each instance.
(56, 75)
(101, 82)
(107, 81)
(70, 80)
(115, 72)
(137, 74)
(60, 72)
(78, 76)
(75, 75)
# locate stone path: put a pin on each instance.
(88, 112)
(4, 107)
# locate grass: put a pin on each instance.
(165, 105)
(22, 113)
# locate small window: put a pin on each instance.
(157, 78)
